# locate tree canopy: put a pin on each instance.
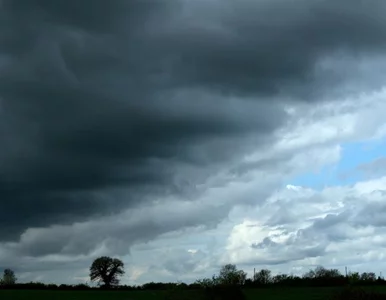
(230, 275)
(9, 277)
(106, 271)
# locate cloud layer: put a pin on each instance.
(136, 119)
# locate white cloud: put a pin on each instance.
(342, 225)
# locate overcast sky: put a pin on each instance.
(182, 135)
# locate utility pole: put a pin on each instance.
(346, 271)
(254, 274)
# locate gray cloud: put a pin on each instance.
(282, 216)
(298, 246)
(372, 214)
(118, 233)
(184, 262)
(153, 97)
(266, 242)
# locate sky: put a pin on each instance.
(183, 135)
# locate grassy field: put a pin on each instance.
(269, 294)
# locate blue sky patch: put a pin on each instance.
(345, 171)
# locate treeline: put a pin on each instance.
(320, 276)
(229, 275)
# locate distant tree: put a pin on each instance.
(353, 277)
(263, 277)
(321, 272)
(106, 271)
(368, 276)
(230, 275)
(9, 277)
(280, 278)
(206, 282)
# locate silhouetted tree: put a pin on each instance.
(229, 275)
(353, 278)
(280, 278)
(263, 277)
(321, 272)
(9, 277)
(206, 282)
(368, 276)
(106, 270)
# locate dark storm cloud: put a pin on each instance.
(102, 95)
(116, 234)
